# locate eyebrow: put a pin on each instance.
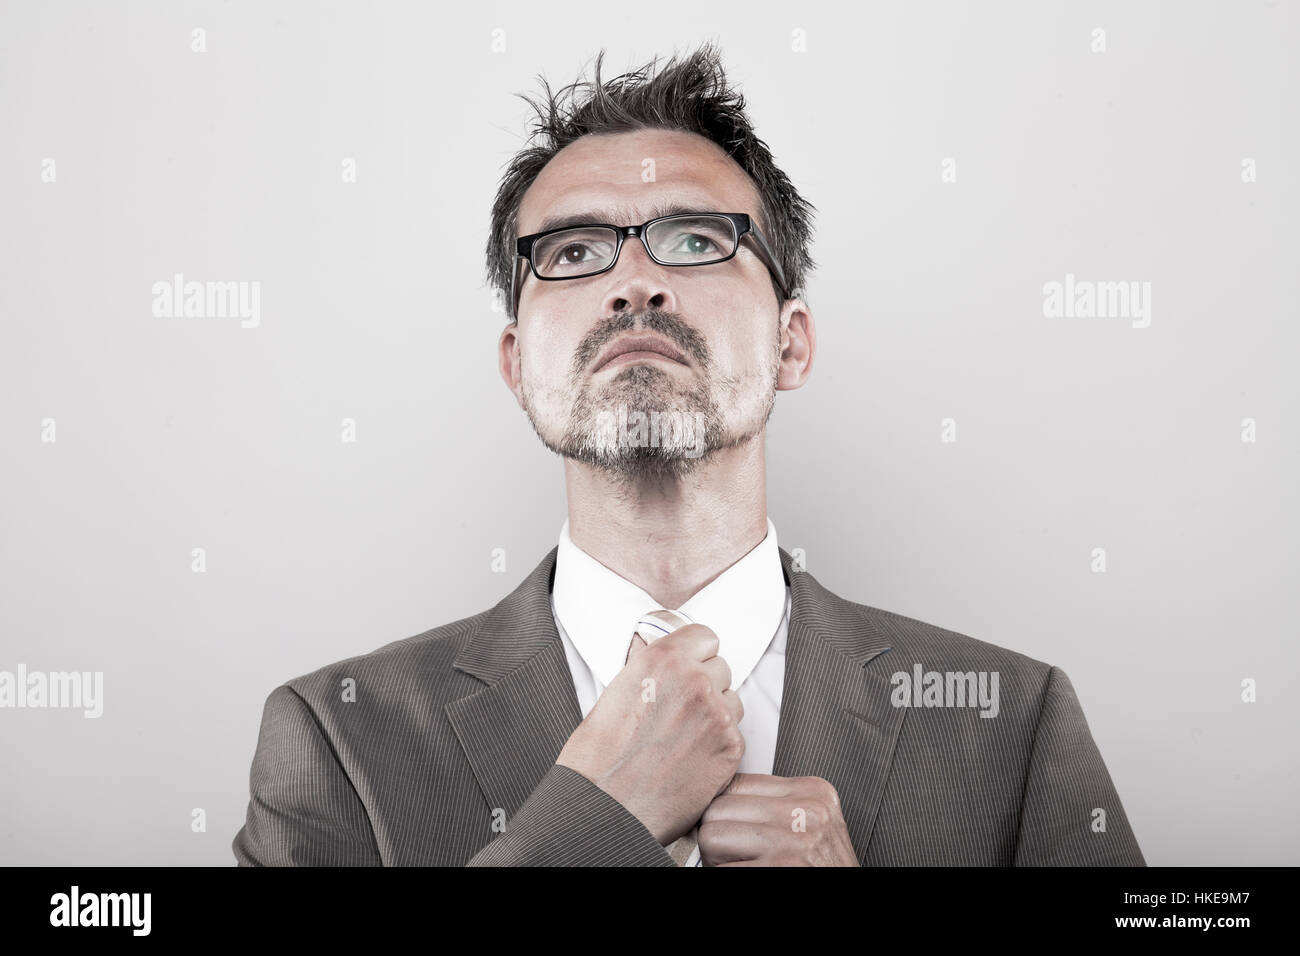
(601, 216)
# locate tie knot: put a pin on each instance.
(655, 624)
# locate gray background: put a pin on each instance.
(1072, 433)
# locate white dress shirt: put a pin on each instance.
(747, 606)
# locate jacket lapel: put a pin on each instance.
(513, 730)
(837, 721)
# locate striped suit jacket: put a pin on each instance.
(440, 750)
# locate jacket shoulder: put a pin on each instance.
(913, 643)
(420, 664)
(945, 646)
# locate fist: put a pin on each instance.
(762, 820)
(664, 737)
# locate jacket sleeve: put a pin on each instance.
(569, 821)
(1066, 785)
(303, 809)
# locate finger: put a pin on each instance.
(747, 809)
(697, 641)
(719, 672)
(760, 785)
(726, 841)
(734, 704)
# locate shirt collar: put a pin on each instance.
(599, 608)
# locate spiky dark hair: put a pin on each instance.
(690, 93)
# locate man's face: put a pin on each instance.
(645, 414)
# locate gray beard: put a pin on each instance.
(608, 433)
(595, 430)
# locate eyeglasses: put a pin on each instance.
(686, 239)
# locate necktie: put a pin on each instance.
(652, 626)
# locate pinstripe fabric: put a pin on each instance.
(446, 755)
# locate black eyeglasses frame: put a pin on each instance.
(740, 222)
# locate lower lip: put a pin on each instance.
(628, 358)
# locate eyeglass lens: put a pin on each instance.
(682, 240)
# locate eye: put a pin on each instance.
(575, 252)
(697, 245)
(572, 254)
(692, 240)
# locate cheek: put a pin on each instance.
(742, 325)
(743, 350)
(554, 303)
(546, 359)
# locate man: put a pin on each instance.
(669, 687)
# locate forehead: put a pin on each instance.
(607, 174)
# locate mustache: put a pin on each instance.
(667, 324)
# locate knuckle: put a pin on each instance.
(734, 746)
(709, 832)
(820, 789)
(733, 704)
(699, 686)
(820, 814)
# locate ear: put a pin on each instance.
(798, 344)
(508, 359)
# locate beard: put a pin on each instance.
(645, 424)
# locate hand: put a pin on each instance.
(663, 738)
(761, 820)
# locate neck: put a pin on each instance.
(671, 537)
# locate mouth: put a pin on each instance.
(639, 348)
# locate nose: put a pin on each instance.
(638, 282)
